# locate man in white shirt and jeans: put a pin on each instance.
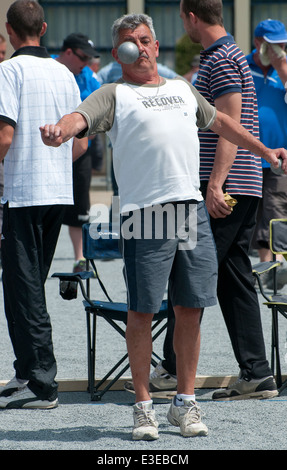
(38, 184)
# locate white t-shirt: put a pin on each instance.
(153, 131)
(35, 90)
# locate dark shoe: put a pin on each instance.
(25, 398)
(244, 389)
(12, 386)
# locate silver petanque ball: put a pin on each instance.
(128, 52)
(279, 170)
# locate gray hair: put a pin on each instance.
(131, 21)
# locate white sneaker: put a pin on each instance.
(13, 386)
(145, 424)
(25, 398)
(161, 380)
(188, 418)
(161, 383)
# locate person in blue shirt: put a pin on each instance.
(111, 72)
(269, 69)
(87, 82)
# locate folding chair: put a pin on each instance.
(277, 303)
(103, 245)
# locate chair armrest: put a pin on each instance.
(75, 276)
(264, 267)
(70, 281)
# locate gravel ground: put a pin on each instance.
(105, 426)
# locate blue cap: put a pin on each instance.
(272, 31)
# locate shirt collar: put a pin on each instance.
(228, 39)
(37, 51)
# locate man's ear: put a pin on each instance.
(44, 29)
(192, 17)
(257, 43)
(115, 54)
(157, 48)
(9, 29)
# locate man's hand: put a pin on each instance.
(215, 203)
(51, 135)
(68, 127)
(277, 59)
(272, 155)
(276, 55)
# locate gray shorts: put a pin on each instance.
(170, 244)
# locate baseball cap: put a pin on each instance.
(272, 31)
(80, 41)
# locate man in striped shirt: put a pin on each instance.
(225, 80)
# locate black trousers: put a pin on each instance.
(236, 293)
(30, 236)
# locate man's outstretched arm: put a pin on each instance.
(68, 127)
(231, 130)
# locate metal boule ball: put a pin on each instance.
(128, 52)
(278, 170)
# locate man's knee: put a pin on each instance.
(187, 313)
(139, 319)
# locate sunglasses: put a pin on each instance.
(83, 58)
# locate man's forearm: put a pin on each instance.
(71, 125)
(223, 161)
(238, 135)
(68, 127)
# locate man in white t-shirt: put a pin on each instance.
(38, 184)
(153, 123)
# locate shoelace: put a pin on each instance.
(144, 418)
(193, 414)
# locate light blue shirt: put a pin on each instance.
(113, 71)
(272, 108)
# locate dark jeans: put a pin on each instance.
(236, 293)
(30, 238)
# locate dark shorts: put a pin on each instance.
(78, 214)
(177, 247)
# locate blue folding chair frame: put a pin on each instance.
(277, 303)
(103, 244)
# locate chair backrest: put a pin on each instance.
(278, 237)
(100, 241)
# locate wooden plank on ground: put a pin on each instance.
(81, 385)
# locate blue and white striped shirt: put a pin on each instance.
(224, 69)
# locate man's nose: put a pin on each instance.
(140, 46)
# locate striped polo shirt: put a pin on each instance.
(224, 69)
